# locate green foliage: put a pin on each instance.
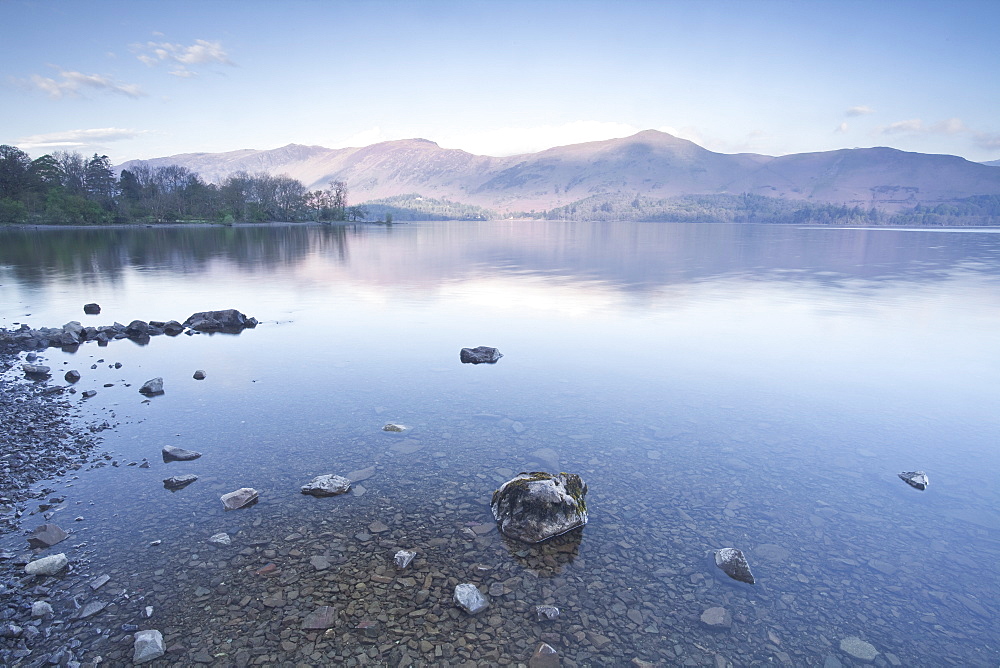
(416, 207)
(12, 211)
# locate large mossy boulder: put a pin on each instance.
(533, 507)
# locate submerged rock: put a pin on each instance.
(46, 535)
(199, 375)
(734, 564)
(148, 646)
(47, 565)
(545, 656)
(152, 386)
(403, 558)
(72, 376)
(469, 598)
(394, 428)
(546, 613)
(92, 309)
(241, 498)
(174, 454)
(535, 506)
(229, 320)
(35, 369)
(327, 485)
(323, 617)
(717, 618)
(179, 481)
(480, 355)
(858, 648)
(916, 479)
(221, 539)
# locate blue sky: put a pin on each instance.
(142, 79)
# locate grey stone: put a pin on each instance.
(92, 309)
(41, 609)
(327, 485)
(152, 387)
(45, 536)
(179, 481)
(221, 539)
(241, 498)
(171, 454)
(361, 474)
(469, 598)
(35, 369)
(47, 565)
(199, 375)
(734, 564)
(394, 428)
(717, 618)
(91, 609)
(228, 320)
(858, 648)
(545, 656)
(323, 617)
(480, 355)
(916, 479)
(72, 376)
(148, 646)
(545, 613)
(403, 558)
(533, 507)
(99, 581)
(87, 394)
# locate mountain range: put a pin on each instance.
(650, 164)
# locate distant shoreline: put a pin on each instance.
(108, 226)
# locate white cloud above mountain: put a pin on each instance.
(70, 83)
(71, 138)
(182, 57)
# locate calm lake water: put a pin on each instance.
(748, 386)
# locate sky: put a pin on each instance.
(150, 78)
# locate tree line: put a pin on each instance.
(69, 188)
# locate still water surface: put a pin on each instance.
(757, 387)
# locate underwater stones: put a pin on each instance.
(241, 498)
(41, 609)
(148, 645)
(221, 539)
(403, 558)
(468, 597)
(47, 565)
(72, 376)
(35, 369)
(480, 355)
(174, 454)
(228, 320)
(92, 309)
(323, 617)
(717, 619)
(179, 481)
(916, 479)
(394, 428)
(533, 507)
(46, 535)
(858, 648)
(734, 564)
(152, 387)
(327, 485)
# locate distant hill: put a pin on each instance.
(650, 164)
(993, 163)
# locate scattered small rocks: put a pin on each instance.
(148, 645)
(916, 479)
(241, 498)
(469, 598)
(47, 565)
(171, 454)
(734, 564)
(480, 355)
(152, 387)
(327, 485)
(179, 481)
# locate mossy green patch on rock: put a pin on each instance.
(537, 505)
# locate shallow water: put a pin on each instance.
(757, 387)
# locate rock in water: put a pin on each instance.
(480, 355)
(327, 485)
(46, 535)
(229, 320)
(469, 598)
(916, 479)
(734, 564)
(47, 565)
(545, 656)
(148, 645)
(92, 309)
(35, 369)
(394, 428)
(535, 506)
(179, 481)
(241, 498)
(221, 539)
(546, 613)
(403, 558)
(72, 376)
(717, 619)
(199, 375)
(858, 648)
(172, 454)
(152, 386)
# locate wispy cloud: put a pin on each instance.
(860, 110)
(77, 137)
(842, 128)
(71, 84)
(182, 57)
(915, 126)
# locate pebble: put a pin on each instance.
(858, 648)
